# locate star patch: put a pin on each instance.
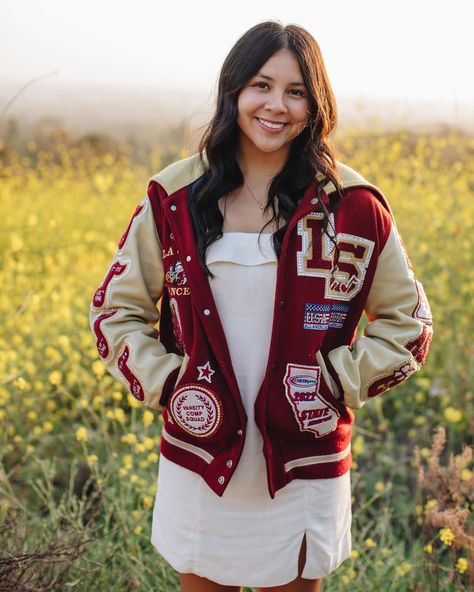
(205, 372)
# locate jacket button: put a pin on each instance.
(314, 201)
(274, 367)
(282, 304)
(173, 208)
(239, 432)
(207, 312)
(188, 258)
(228, 464)
(221, 480)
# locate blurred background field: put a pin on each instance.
(79, 456)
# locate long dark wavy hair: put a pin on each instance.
(309, 152)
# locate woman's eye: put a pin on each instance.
(260, 84)
(299, 93)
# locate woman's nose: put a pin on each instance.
(276, 102)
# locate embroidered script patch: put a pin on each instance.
(321, 317)
(312, 412)
(196, 409)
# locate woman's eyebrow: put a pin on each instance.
(270, 78)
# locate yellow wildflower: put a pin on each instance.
(430, 504)
(147, 418)
(128, 461)
(55, 377)
(48, 426)
(466, 474)
(120, 416)
(424, 452)
(137, 529)
(129, 438)
(133, 478)
(117, 396)
(37, 430)
(369, 543)
(385, 552)
(32, 415)
(147, 501)
(153, 457)
(358, 445)
(452, 415)
(81, 434)
(461, 565)
(91, 459)
(134, 404)
(139, 448)
(149, 443)
(428, 548)
(354, 554)
(403, 569)
(98, 368)
(379, 486)
(122, 472)
(446, 536)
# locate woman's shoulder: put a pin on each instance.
(358, 189)
(179, 174)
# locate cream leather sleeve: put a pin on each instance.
(396, 340)
(123, 312)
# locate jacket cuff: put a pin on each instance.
(168, 387)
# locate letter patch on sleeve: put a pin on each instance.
(312, 412)
(196, 410)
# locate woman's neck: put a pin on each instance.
(259, 168)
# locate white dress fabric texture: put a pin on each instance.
(246, 538)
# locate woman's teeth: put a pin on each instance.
(271, 125)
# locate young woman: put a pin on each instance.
(263, 252)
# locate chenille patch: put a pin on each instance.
(321, 317)
(101, 339)
(116, 270)
(312, 412)
(140, 210)
(135, 385)
(196, 409)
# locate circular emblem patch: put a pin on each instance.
(196, 409)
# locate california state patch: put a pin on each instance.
(312, 412)
(196, 409)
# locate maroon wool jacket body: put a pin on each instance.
(317, 371)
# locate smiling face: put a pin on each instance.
(273, 106)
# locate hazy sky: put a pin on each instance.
(419, 48)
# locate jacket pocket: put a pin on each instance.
(181, 372)
(328, 379)
(172, 381)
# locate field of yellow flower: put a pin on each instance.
(79, 456)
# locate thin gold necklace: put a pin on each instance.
(261, 205)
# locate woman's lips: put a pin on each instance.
(273, 127)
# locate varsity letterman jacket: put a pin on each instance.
(158, 330)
